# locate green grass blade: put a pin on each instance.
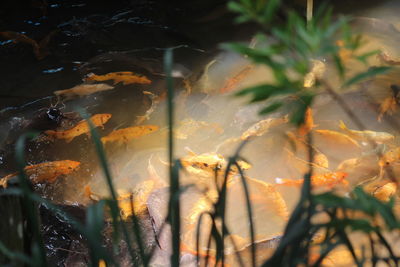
(174, 201)
(30, 209)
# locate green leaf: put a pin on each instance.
(235, 7)
(371, 72)
(363, 57)
(264, 91)
(270, 10)
(271, 108)
(339, 65)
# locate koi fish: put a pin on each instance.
(303, 165)
(389, 157)
(83, 90)
(123, 136)
(268, 191)
(202, 255)
(80, 128)
(137, 199)
(381, 190)
(318, 180)
(39, 48)
(308, 124)
(262, 127)
(45, 172)
(378, 137)
(344, 53)
(317, 71)
(189, 127)
(320, 159)
(207, 164)
(388, 105)
(337, 139)
(126, 77)
(235, 80)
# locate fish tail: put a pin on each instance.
(69, 140)
(342, 126)
(287, 182)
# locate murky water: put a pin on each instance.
(96, 39)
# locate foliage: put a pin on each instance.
(288, 48)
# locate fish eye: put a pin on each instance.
(205, 164)
(387, 162)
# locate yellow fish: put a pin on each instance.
(45, 172)
(207, 164)
(378, 137)
(382, 190)
(337, 139)
(262, 127)
(390, 157)
(80, 128)
(123, 136)
(388, 105)
(126, 77)
(327, 180)
(83, 90)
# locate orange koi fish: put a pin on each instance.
(388, 105)
(45, 172)
(318, 180)
(382, 190)
(126, 77)
(235, 80)
(378, 137)
(308, 124)
(123, 136)
(345, 54)
(80, 128)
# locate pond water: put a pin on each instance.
(89, 38)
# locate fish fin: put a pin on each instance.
(342, 125)
(190, 152)
(69, 140)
